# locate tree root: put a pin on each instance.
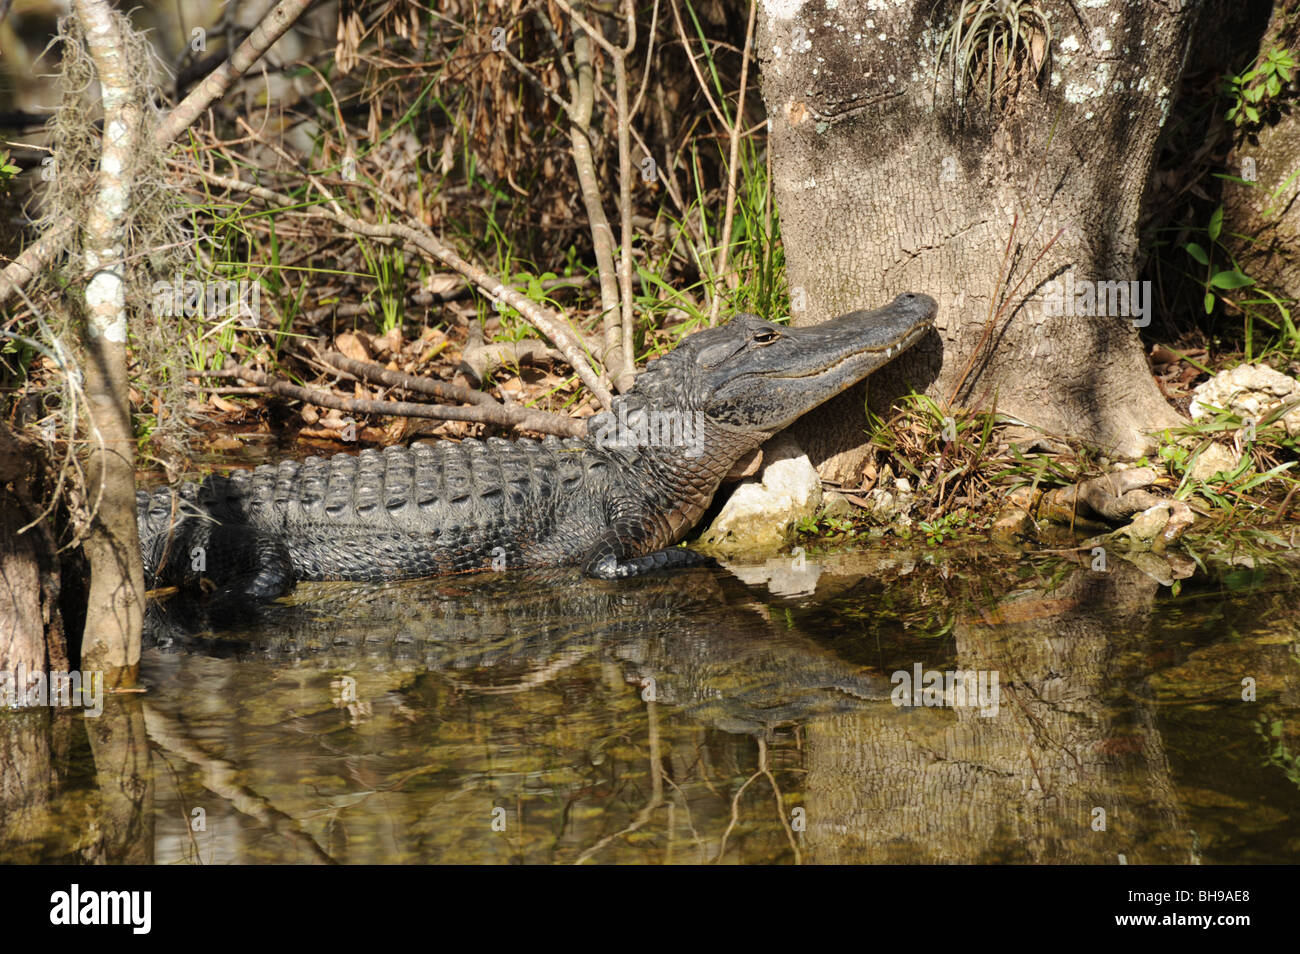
(1099, 503)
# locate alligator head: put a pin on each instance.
(755, 376)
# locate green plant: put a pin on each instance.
(994, 36)
(1228, 490)
(823, 524)
(1225, 279)
(1260, 307)
(941, 528)
(1278, 753)
(7, 169)
(1257, 92)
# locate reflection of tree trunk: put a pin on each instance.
(882, 189)
(938, 785)
(121, 751)
(28, 783)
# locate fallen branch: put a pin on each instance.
(378, 374)
(547, 322)
(520, 418)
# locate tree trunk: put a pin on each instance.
(1261, 221)
(31, 626)
(115, 608)
(888, 181)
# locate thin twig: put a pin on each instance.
(732, 161)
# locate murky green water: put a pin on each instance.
(710, 715)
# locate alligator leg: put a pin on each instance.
(230, 563)
(265, 571)
(610, 559)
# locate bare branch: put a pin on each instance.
(40, 253)
(521, 418)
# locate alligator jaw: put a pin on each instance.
(768, 389)
(860, 342)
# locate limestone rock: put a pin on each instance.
(1250, 391)
(1214, 459)
(759, 519)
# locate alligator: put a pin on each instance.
(614, 503)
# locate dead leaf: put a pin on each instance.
(443, 284)
(390, 341)
(352, 346)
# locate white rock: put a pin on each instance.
(761, 515)
(1213, 460)
(1251, 391)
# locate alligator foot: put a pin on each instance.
(607, 566)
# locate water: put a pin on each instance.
(701, 716)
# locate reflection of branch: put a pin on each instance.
(776, 790)
(533, 680)
(735, 815)
(690, 821)
(221, 778)
(656, 787)
(780, 808)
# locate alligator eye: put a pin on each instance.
(764, 337)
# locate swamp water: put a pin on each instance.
(887, 706)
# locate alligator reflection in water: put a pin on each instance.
(691, 718)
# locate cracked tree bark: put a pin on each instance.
(886, 184)
(1262, 221)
